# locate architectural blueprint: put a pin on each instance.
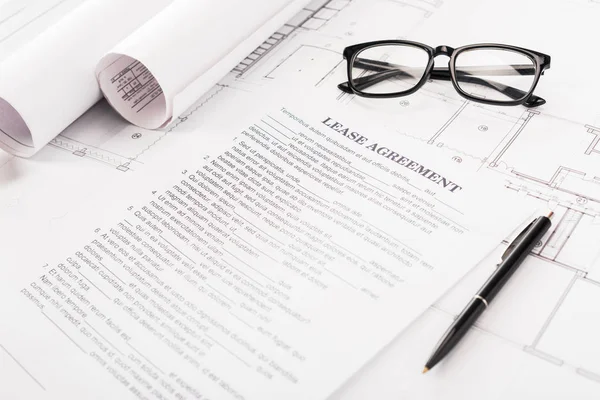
(544, 324)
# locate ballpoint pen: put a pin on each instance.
(514, 255)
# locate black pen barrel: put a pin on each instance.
(457, 330)
(509, 265)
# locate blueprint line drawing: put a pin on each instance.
(443, 128)
(427, 13)
(5, 350)
(310, 53)
(83, 150)
(569, 246)
(122, 138)
(313, 17)
(594, 146)
(518, 128)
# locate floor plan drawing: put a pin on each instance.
(313, 17)
(426, 12)
(114, 142)
(499, 141)
(564, 176)
(306, 55)
(594, 146)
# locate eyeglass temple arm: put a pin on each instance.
(388, 71)
(534, 101)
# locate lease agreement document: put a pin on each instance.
(273, 268)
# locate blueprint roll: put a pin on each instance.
(160, 70)
(50, 82)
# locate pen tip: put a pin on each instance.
(425, 370)
(551, 214)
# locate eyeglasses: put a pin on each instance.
(486, 73)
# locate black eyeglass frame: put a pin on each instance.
(540, 61)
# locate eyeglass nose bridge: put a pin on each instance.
(443, 50)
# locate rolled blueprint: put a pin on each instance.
(50, 82)
(159, 71)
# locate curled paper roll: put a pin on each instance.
(165, 55)
(50, 82)
(160, 70)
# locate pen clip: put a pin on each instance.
(516, 240)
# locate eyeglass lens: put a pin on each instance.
(494, 74)
(388, 68)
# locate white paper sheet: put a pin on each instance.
(251, 274)
(163, 68)
(23, 20)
